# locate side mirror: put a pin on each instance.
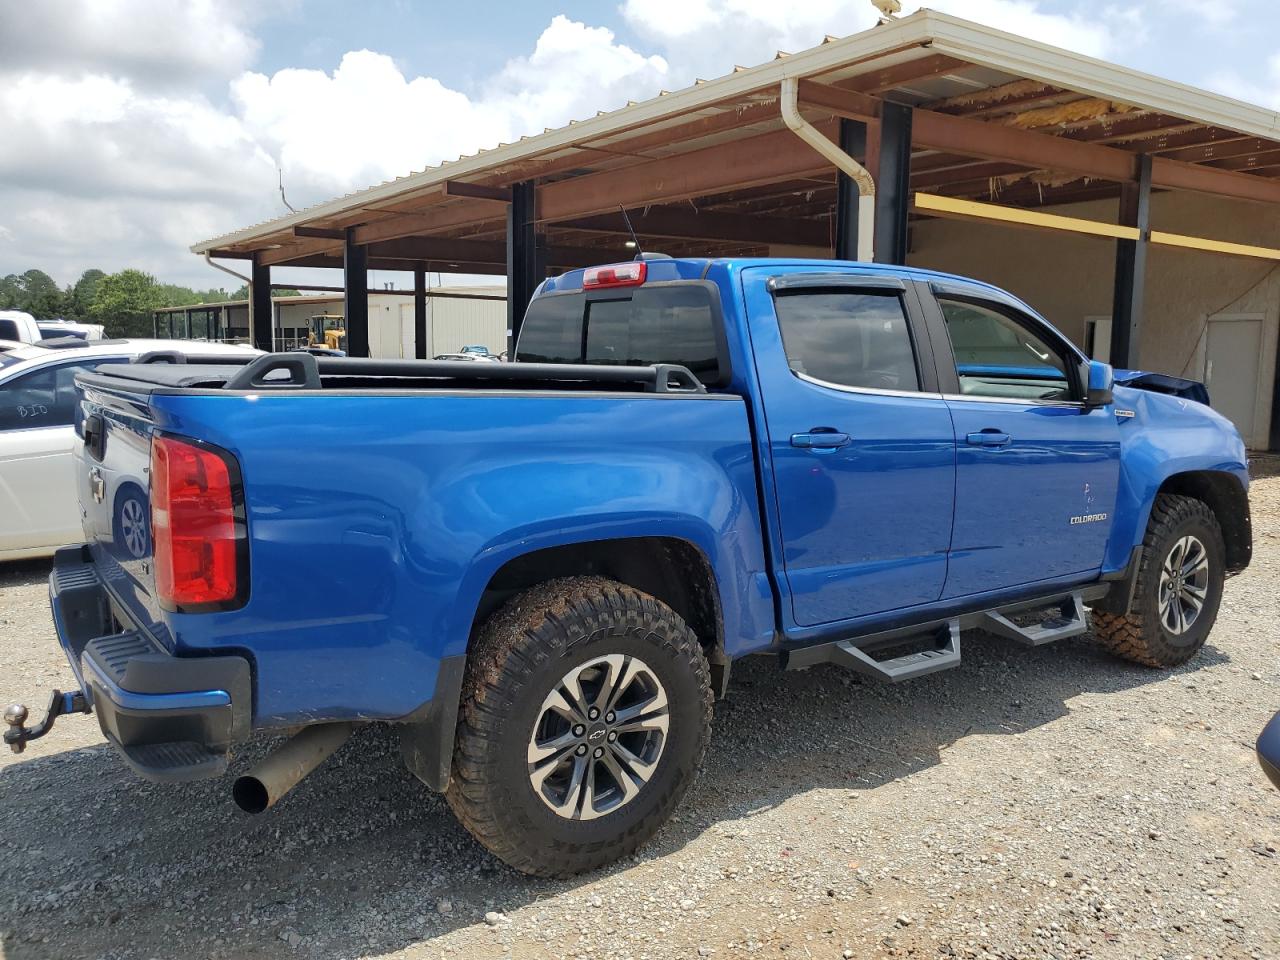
(1101, 381)
(1269, 750)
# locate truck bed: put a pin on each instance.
(381, 497)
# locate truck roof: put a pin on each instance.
(695, 268)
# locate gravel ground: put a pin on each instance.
(1032, 803)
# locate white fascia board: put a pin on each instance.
(1073, 71)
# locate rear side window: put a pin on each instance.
(673, 323)
(848, 338)
(9, 330)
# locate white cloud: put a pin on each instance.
(157, 43)
(130, 129)
(706, 38)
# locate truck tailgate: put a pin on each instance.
(112, 455)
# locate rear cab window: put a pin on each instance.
(676, 322)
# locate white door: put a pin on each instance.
(39, 504)
(406, 331)
(1231, 369)
(1097, 338)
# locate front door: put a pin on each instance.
(859, 440)
(1036, 471)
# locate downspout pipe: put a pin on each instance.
(218, 266)
(802, 128)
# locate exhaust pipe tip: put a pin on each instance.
(250, 794)
(281, 771)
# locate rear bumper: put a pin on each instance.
(171, 718)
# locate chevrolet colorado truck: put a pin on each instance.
(541, 571)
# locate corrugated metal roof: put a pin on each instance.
(997, 58)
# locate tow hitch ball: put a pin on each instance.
(15, 715)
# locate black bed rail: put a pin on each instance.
(304, 371)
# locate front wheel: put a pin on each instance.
(1180, 575)
(585, 713)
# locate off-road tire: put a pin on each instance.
(1139, 635)
(521, 654)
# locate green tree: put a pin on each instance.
(123, 303)
(80, 296)
(43, 298)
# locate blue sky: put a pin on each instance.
(130, 129)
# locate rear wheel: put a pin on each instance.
(586, 710)
(1179, 587)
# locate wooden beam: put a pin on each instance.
(476, 191)
(1214, 246)
(319, 233)
(1256, 161)
(1012, 216)
(1176, 175)
(1219, 150)
(706, 225)
(727, 166)
(303, 248)
(462, 214)
(905, 74)
(849, 104)
(974, 138)
(485, 252)
(638, 145)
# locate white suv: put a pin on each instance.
(39, 510)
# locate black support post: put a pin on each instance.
(893, 184)
(260, 306)
(853, 141)
(526, 267)
(420, 311)
(355, 282)
(1131, 268)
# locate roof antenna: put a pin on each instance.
(635, 241)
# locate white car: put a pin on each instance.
(39, 509)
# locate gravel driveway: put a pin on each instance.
(1032, 803)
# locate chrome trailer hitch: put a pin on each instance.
(15, 715)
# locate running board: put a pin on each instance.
(941, 638)
(1071, 621)
(944, 654)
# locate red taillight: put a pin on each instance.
(193, 525)
(614, 275)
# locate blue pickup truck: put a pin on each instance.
(541, 571)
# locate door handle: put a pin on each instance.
(990, 437)
(819, 439)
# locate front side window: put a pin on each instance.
(45, 397)
(848, 338)
(997, 356)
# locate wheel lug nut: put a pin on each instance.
(613, 735)
(582, 750)
(599, 752)
(579, 730)
(610, 717)
(593, 713)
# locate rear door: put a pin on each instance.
(859, 439)
(1036, 471)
